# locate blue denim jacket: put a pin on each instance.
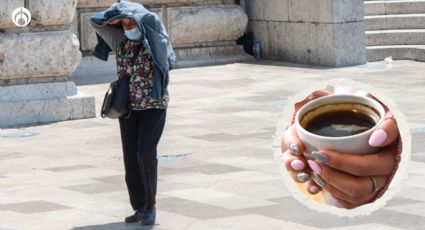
(156, 39)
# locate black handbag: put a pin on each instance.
(116, 103)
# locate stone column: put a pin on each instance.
(203, 32)
(318, 32)
(35, 62)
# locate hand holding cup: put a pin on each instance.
(348, 178)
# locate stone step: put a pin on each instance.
(395, 37)
(394, 22)
(397, 52)
(394, 7)
(206, 56)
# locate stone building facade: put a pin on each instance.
(325, 32)
(203, 32)
(35, 62)
(328, 32)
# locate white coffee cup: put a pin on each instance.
(354, 144)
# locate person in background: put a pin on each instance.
(143, 52)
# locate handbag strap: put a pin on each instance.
(136, 54)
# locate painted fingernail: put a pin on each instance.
(317, 180)
(313, 189)
(297, 165)
(294, 149)
(302, 177)
(315, 167)
(378, 138)
(320, 157)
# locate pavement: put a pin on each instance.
(216, 170)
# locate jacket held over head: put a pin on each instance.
(156, 40)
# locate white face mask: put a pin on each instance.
(133, 34)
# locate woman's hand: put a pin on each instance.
(114, 21)
(295, 162)
(347, 177)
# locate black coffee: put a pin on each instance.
(340, 123)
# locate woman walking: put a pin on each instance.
(143, 52)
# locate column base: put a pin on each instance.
(23, 105)
(206, 56)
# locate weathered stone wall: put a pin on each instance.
(34, 63)
(201, 31)
(38, 55)
(320, 32)
(45, 48)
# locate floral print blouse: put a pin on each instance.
(142, 72)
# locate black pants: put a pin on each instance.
(140, 134)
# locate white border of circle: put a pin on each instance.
(399, 177)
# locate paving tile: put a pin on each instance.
(115, 226)
(240, 160)
(228, 84)
(417, 168)
(178, 221)
(414, 209)
(290, 210)
(33, 207)
(222, 137)
(17, 221)
(95, 188)
(69, 168)
(198, 194)
(116, 179)
(183, 163)
(413, 193)
(276, 95)
(11, 154)
(418, 142)
(237, 202)
(418, 156)
(222, 118)
(213, 169)
(366, 226)
(87, 124)
(252, 221)
(395, 201)
(218, 198)
(193, 209)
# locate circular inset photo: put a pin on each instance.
(343, 148)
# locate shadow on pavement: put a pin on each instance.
(117, 226)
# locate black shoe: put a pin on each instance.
(149, 216)
(136, 217)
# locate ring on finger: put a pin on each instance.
(374, 184)
(318, 180)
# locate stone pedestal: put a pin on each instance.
(35, 62)
(319, 32)
(203, 32)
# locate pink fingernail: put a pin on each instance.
(315, 167)
(297, 165)
(313, 189)
(378, 138)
